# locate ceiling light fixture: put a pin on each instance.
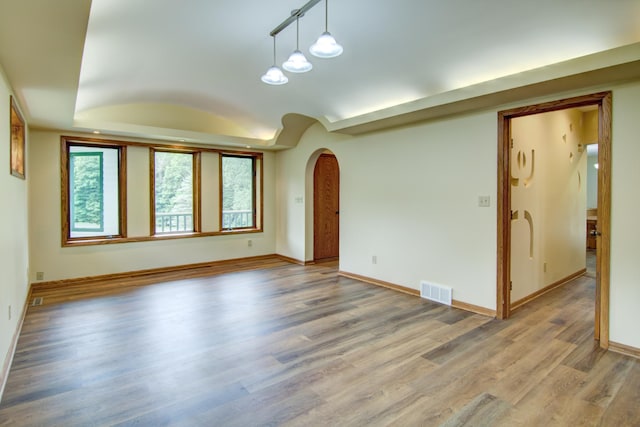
(326, 46)
(297, 62)
(274, 75)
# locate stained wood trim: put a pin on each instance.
(195, 170)
(561, 104)
(197, 193)
(93, 242)
(415, 292)
(18, 134)
(232, 263)
(220, 191)
(4, 375)
(254, 201)
(152, 191)
(171, 147)
(382, 283)
(261, 213)
(65, 190)
(603, 100)
(258, 167)
(627, 350)
(294, 260)
(122, 145)
(603, 249)
(122, 193)
(503, 217)
(517, 304)
(473, 308)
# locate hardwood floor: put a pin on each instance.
(300, 346)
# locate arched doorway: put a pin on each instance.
(326, 208)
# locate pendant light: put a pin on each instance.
(274, 75)
(297, 62)
(326, 46)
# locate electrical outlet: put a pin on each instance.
(374, 259)
(249, 243)
(484, 201)
(39, 275)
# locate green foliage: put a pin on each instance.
(86, 190)
(237, 183)
(237, 192)
(174, 182)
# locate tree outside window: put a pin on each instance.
(92, 173)
(86, 171)
(238, 192)
(173, 192)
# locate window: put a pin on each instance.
(174, 192)
(86, 172)
(93, 178)
(94, 191)
(238, 191)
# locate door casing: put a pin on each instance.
(603, 101)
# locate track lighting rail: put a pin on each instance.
(298, 13)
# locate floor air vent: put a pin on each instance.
(37, 301)
(437, 293)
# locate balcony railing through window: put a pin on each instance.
(174, 222)
(237, 219)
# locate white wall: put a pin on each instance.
(553, 194)
(592, 182)
(14, 247)
(625, 205)
(408, 196)
(57, 262)
(590, 136)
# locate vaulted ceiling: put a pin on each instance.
(190, 70)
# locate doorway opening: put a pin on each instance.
(592, 206)
(326, 208)
(506, 213)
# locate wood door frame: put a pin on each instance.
(603, 100)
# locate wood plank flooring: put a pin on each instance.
(281, 344)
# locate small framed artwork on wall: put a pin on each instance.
(17, 146)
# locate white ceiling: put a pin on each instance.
(191, 69)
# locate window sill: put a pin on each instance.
(173, 236)
(240, 231)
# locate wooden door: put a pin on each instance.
(326, 208)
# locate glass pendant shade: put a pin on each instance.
(326, 46)
(297, 63)
(274, 76)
